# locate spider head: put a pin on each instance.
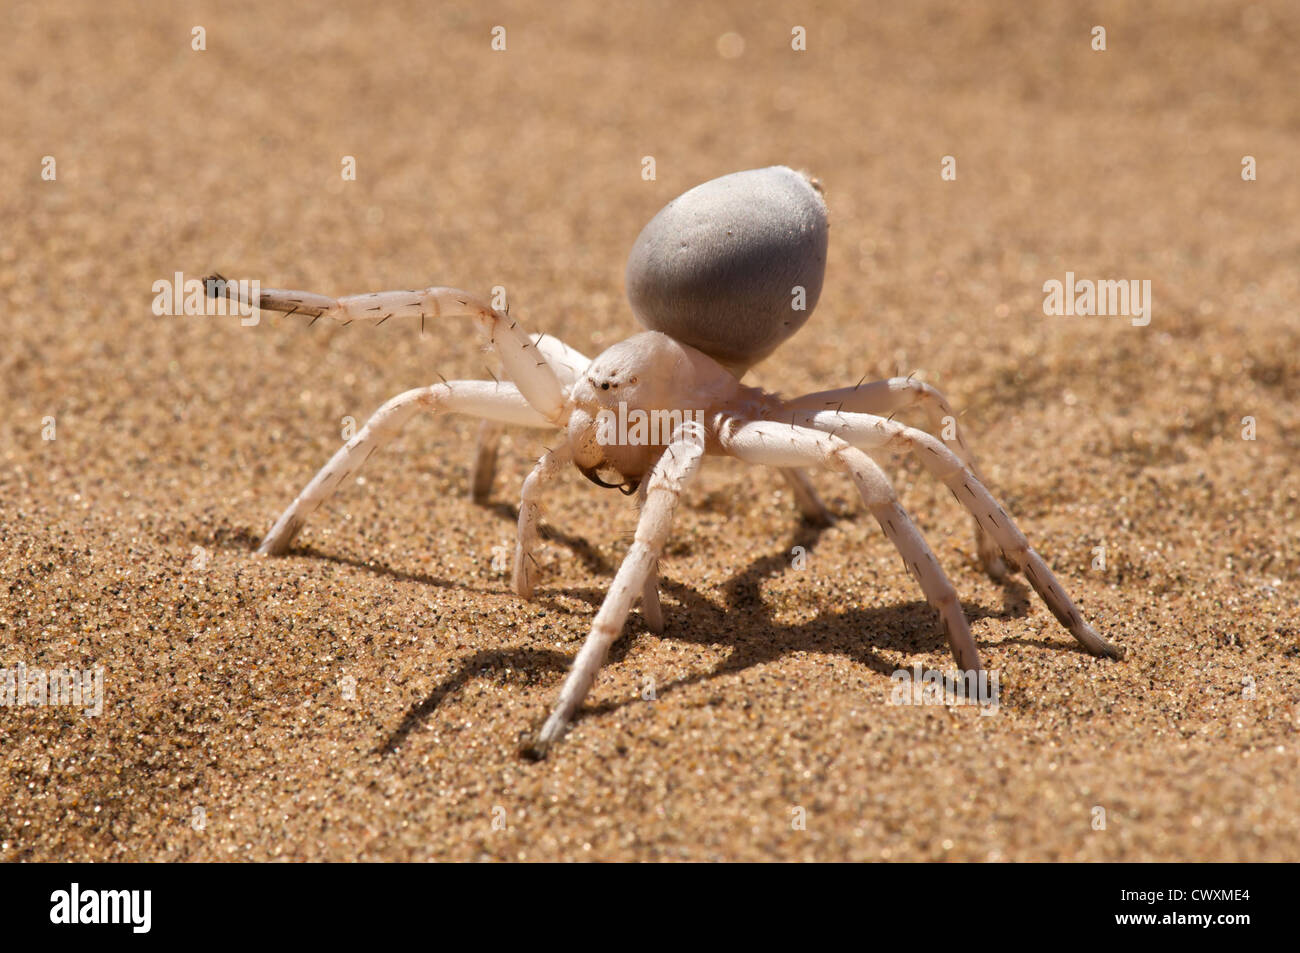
(596, 452)
(623, 406)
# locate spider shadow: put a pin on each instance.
(243, 538)
(854, 633)
(529, 661)
(590, 557)
(741, 620)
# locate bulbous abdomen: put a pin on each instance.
(732, 267)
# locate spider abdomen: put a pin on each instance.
(732, 267)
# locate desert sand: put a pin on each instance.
(363, 697)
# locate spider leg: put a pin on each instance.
(551, 464)
(501, 402)
(530, 514)
(524, 363)
(674, 470)
(811, 507)
(568, 364)
(651, 610)
(768, 443)
(886, 397)
(485, 460)
(868, 431)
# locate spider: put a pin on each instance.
(720, 277)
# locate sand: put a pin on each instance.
(226, 731)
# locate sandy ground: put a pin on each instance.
(126, 541)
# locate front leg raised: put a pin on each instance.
(524, 363)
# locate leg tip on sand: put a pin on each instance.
(534, 749)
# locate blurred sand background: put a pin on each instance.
(180, 439)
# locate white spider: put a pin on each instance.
(717, 277)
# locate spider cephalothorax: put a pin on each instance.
(720, 278)
(633, 396)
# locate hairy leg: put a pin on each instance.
(868, 431)
(889, 396)
(501, 402)
(667, 480)
(779, 445)
(806, 498)
(481, 474)
(530, 514)
(567, 363)
(523, 361)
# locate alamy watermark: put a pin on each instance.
(916, 686)
(21, 686)
(646, 428)
(1124, 298)
(212, 296)
(133, 908)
